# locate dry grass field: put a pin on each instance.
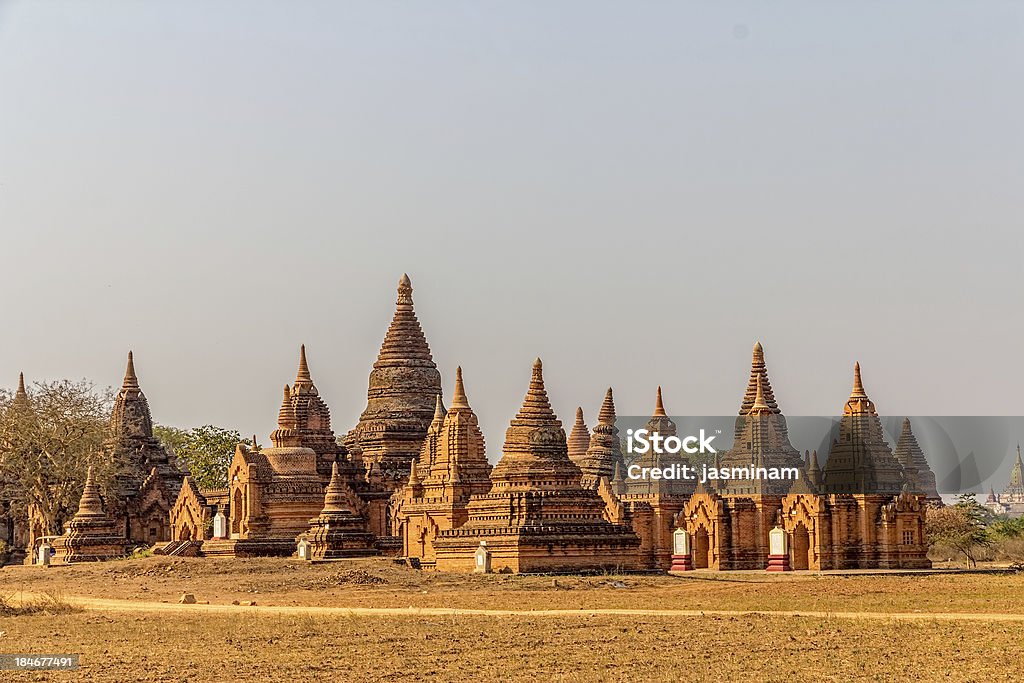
(196, 643)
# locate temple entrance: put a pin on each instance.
(701, 549)
(801, 548)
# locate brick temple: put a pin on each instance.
(412, 479)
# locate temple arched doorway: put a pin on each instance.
(801, 547)
(701, 549)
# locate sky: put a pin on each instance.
(635, 192)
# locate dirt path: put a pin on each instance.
(105, 605)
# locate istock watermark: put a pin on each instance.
(966, 454)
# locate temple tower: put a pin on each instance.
(579, 439)
(401, 396)
(860, 460)
(304, 420)
(604, 454)
(151, 477)
(1015, 487)
(762, 437)
(340, 528)
(428, 452)
(918, 475)
(131, 435)
(537, 516)
(439, 487)
(91, 535)
(275, 492)
(660, 423)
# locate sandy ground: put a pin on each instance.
(372, 620)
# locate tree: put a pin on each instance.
(207, 451)
(960, 526)
(1004, 528)
(48, 440)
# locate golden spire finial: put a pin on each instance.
(459, 399)
(659, 406)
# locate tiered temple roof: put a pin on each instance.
(1015, 488)
(131, 431)
(762, 436)
(428, 452)
(604, 454)
(401, 396)
(538, 516)
(660, 423)
(452, 469)
(91, 534)
(459, 468)
(340, 528)
(579, 439)
(535, 455)
(152, 477)
(860, 460)
(917, 474)
(304, 420)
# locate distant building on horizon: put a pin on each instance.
(1011, 501)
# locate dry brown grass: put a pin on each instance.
(578, 647)
(381, 583)
(48, 603)
(131, 647)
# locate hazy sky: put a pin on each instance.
(635, 192)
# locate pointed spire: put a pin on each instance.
(91, 503)
(439, 413)
(760, 407)
(858, 402)
(579, 438)
(758, 370)
(459, 400)
(303, 375)
(414, 477)
(607, 413)
(659, 406)
(605, 450)
(21, 395)
(286, 416)
(536, 405)
(335, 499)
(130, 380)
(404, 341)
(618, 481)
(1016, 475)
(858, 385)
